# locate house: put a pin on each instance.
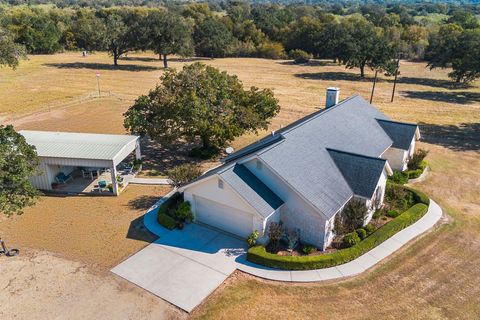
(305, 173)
(77, 162)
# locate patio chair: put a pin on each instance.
(62, 178)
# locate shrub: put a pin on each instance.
(275, 233)
(351, 239)
(184, 212)
(292, 238)
(399, 177)
(252, 238)
(260, 256)
(369, 228)
(244, 49)
(166, 221)
(184, 173)
(271, 50)
(399, 197)
(378, 213)
(308, 249)
(362, 233)
(354, 214)
(418, 196)
(299, 56)
(392, 213)
(169, 205)
(417, 159)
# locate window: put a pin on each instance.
(220, 184)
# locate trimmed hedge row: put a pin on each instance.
(260, 256)
(166, 221)
(414, 174)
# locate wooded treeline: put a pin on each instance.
(356, 35)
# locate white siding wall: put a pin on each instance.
(397, 158)
(209, 189)
(382, 184)
(296, 213)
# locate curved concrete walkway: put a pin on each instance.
(356, 266)
(151, 181)
(349, 269)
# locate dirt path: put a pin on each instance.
(39, 285)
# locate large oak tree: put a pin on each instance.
(18, 162)
(201, 102)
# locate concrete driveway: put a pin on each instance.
(184, 266)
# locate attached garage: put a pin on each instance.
(223, 217)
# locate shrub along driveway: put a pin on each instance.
(184, 266)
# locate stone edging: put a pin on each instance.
(356, 266)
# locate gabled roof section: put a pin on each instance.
(252, 190)
(401, 133)
(361, 172)
(77, 145)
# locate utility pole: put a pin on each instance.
(395, 80)
(373, 88)
(98, 83)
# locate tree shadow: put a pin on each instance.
(464, 137)
(101, 66)
(142, 202)
(461, 97)
(191, 59)
(138, 231)
(334, 76)
(311, 63)
(143, 59)
(160, 158)
(436, 83)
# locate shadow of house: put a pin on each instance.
(464, 137)
(138, 231)
(100, 66)
(460, 97)
(436, 83)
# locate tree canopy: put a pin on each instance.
(10, 52)
(201, 102)
(18, 162)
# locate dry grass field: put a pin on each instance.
(437, 277)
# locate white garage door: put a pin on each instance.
(223, 217)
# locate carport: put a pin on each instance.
(73, 162)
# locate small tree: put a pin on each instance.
(417, 159)
(18, 162)
(183, 174)
(184, 212)
(353, 215)
(201, 102)
(275, 234)
(10, 52)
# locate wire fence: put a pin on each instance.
(59, 105)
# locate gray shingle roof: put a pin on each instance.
(361, 172)
(302, 154)
(400, 132)
(254, 191)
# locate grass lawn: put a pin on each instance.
(101, 231)
(437, 277)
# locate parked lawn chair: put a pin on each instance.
(62, 178)
(4, 250)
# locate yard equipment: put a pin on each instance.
(4, 250)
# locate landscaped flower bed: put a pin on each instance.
(259, 255)
(174, 212)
